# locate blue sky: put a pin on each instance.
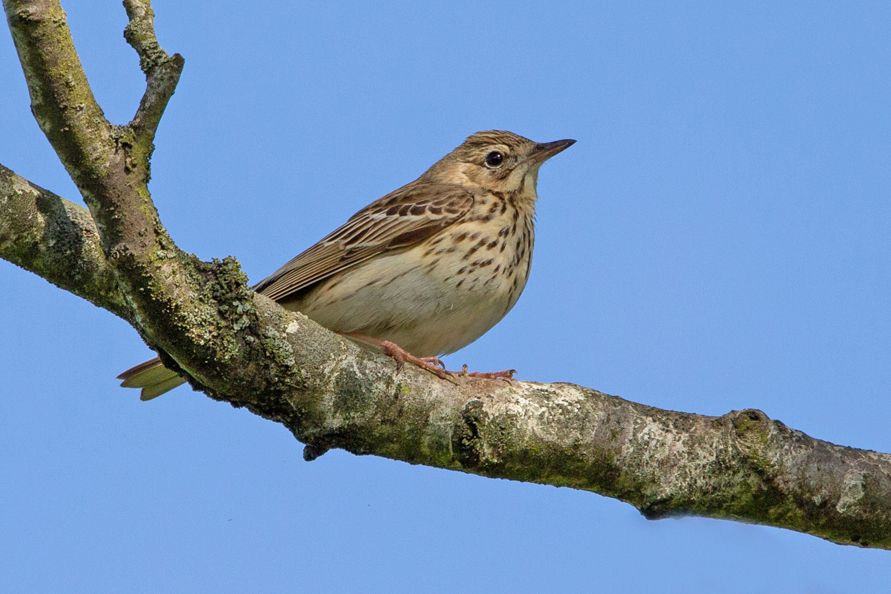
(717, 239)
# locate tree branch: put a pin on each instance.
(240, 347)
(170, 293)
(56, 240)
(162, 72)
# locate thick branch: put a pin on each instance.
(742, 466)
(333, 394)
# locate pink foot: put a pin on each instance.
(507, 374)
(431, 364)
(401, 356)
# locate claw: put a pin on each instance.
(401, 356)
(507, 374)
(431, 364)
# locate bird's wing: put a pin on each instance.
(395, 222)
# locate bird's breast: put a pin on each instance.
(437, 296)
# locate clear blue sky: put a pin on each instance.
(719, 238)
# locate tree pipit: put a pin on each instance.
(423, 271)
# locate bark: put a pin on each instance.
(240, 347)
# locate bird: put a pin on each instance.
(423, 271)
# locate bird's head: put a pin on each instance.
(498, 161)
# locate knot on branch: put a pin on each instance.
(26, 13)
(466, 439)
(229, 289)
(140, 34)
(313, 451)
(751, 425)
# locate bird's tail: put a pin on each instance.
(152, 377)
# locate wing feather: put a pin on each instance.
(395, 222)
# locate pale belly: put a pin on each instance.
(428, 309)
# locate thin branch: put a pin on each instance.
(56, 240)
(162, 72)
(96, 154)
(61, 99)
(168, 291)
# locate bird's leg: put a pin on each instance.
(394, 351)
(507, 374)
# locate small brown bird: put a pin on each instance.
(423, 271)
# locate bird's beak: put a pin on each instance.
(545, 150)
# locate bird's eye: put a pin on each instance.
(494, 160)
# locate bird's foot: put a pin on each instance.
(401, 356)
(507, 374)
